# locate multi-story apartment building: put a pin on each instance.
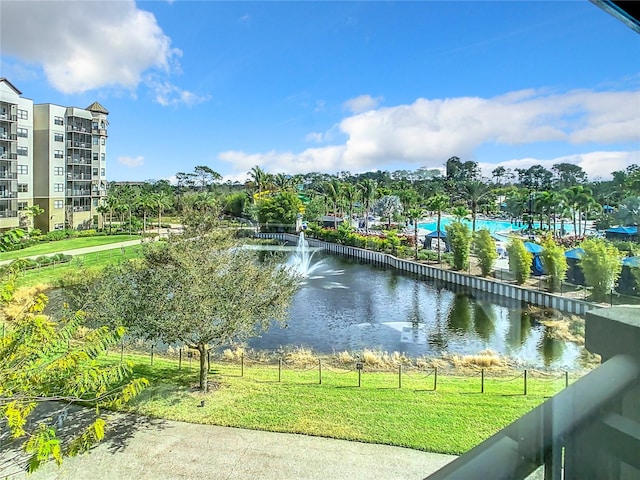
(16, 155)
(57, 161)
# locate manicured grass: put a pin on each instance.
(80, 265)
(452, 419)
(64, 245)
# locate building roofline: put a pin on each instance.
(5, 80)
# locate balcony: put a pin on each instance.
(590, 430)
(82, 208)
(8, 213)
(79, 193)
(99, 131)
(5, 194)
(8, 175)
(8, 117)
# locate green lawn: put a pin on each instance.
(80, 265)
(452, 419)
(64, 245)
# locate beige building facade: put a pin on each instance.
(64, 169)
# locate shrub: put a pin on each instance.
(485, 249)
(554, 262)
(601, 265)
(459, 236)
(519, 260)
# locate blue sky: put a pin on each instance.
(296, 87)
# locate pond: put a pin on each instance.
(349, 306)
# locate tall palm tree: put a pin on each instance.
(145, 204)
(350, 195)
(258, 177)
(368, 188)
(161, 200)
(473, 191)
(333, 192)
(438, 203)
(577, 197)
(415, 214)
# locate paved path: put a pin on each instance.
(139, 448)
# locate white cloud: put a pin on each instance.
(361, 103)
(595, 164)
(90, 45)
(131, 162)
(427, 132)
(316, 137)
(167, 94)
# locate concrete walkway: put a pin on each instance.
(139, 448)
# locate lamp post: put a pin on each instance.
(530, 211)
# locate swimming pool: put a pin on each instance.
(494, 226)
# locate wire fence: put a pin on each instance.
(329, 371)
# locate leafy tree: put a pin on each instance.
(554, 262)
(459, 236)
(460, 213)
(629, 211)
(44, 360)
(601, 264)
(196, 291)
(568, 175)
(519, 260)
(333, 193)
(280, 209)
(388, 206)
(206, 176)
(235, 203)
(313, 210)
(11, 238)
(473, 192)
(485, 249)
(29, 214)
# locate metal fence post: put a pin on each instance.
(525, 382)
(399, 376)
(435, 378)
(482, 381)
(319, 371)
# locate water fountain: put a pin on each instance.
(302, 263)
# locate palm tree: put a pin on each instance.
(437, 204)
(145, 204)
(577, 197)
(415, 214)
(161, 200)
(350, 195)
(258, 176)
(333, 192)
(474, 191)
(368, 189)
(103, 210)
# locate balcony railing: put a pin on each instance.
(8, 175)
(99, 131)
(8, 213)
(8, 194)
(81, 208)
(8, 156)
(8, 117)
(590, 430)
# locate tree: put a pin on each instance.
(601, 264)
(459, 236)
(367, 189)
(567, 175)
(196, 291)
(161, 200)
(485, 249)
(388, 206)
(11, 238)
(333, 193)
(44, 360)
(554, 262)
(473, 191)
(206, 176)
(279, 210)
(629, 211)
(258, 178)
(414, 215)
(29, 214)
(438, 203)
(519, 260)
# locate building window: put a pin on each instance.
(23, 132)
(23, 169)
(95, 140)
(58, 187)
(23, 114)
(95, 157)
(58, 226)
(102, 157)
(23, 151)
(58, 121)
(23, 205)
(58, 204)
(95, 172)
(58, 137)
(95, 202)
(58, 154)
(23, 187)
(94, 125)
(102, 172)
(102, 140)
(58, 170)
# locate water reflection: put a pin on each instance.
(380, 309)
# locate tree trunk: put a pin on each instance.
(204, 370)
